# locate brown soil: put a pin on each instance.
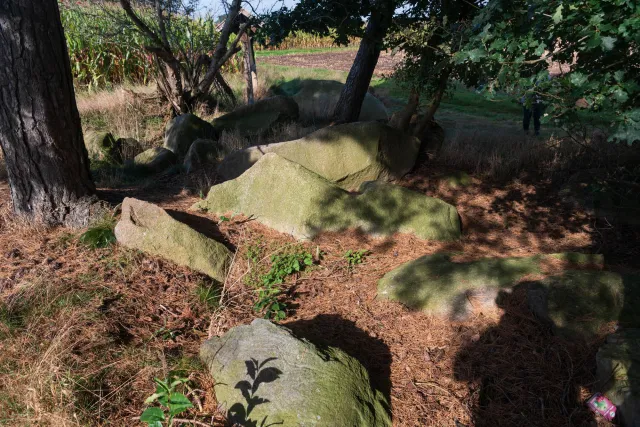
(338, 60)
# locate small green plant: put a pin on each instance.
(355, 257)
(172, 402)
(100, 234)
(208, 294)
(269, 291)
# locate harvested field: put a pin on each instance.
(339, 60)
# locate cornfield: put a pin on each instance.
(105, 50)
(303, 40)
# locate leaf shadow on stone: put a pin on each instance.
(258, 373)
(330, 330)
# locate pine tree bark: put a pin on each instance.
(355, 89)
(40, 130)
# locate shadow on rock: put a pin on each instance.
(328, 330)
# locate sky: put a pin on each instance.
(260, 5)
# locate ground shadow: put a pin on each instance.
(523, 375)
(330, 330)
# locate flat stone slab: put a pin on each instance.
(437, 285)
(266, 376)
(149, 228)
(256, 119)
(580, 303)
(292, 199)
(347, 155)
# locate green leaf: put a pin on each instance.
(476, 54)
(152, 416)
(154, 397)
(178, 403)
(578, 79)
(620, 95)
(557, 17)
(608, 42)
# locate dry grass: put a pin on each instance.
(126, 112)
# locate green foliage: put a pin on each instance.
(597, 41)
(271, 296)
(105, 49)
(172, 402)
(354, 258)
(99, 235)
(208, 294)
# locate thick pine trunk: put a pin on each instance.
(350, 103)
(40, 131)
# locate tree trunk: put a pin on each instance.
(433, 107)
(40, 131)
(246, 55)
(355, 89)
(402, 119)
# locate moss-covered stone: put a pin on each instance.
(618, 373)
(202, 152)
(265, 375)
(258, 118)
(436, 285)
(317, 100)
(581, 303)
(129, 148)
(149, 228)
(347, 155)
(103, 146)
(154, 160)
(292, 199)
(182, 130)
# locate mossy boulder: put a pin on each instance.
(149, 228)
(182, 130)
(202, 152)
(102, 146)
(292, 199)
(265, 375)
(437, 285)
(581, 303)
(618, 374)
(154, 160)
(317, 100)
(258, 118)
(347, 155)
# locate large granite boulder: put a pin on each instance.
(347, 155)
(182, 130)
(201, 153)
(154, 160)
(266, 376)
(258, 118)
(317, 100)
(437, 285)
(149, 228)
(582, 303)
(618, 374)
(292, 199)
(102, 146)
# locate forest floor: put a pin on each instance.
(84, 331)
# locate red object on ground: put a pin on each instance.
(599, 404)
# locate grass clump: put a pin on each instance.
(100, 235)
